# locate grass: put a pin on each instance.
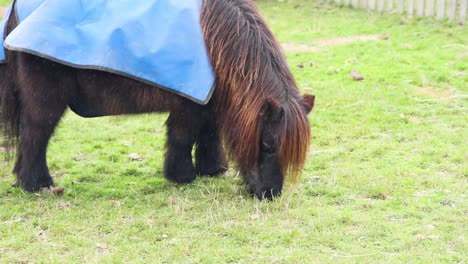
(385, 180)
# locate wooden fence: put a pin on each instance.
(454, 10)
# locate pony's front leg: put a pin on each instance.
(182, 130)
(210, 159)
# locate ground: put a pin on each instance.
(385, 180)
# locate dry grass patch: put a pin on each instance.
(437, 94)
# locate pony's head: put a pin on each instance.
(261, 115)
(283, 145)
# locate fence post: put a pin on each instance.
(430, 8)
(364, 4)
(410, 7)
(390, 6)
(463, 10)
(420, 8)
(401, 7)
(381, 6)
(452, 9)
(441, 9)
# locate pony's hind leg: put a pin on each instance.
(210, 159)
(42, 89)
(31, 168)
(183, 127)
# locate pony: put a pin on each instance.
(256, 116)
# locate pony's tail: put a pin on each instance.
(9, 110)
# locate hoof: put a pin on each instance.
(211, 172)
(181, 174)
(35, 187)
(182, 179)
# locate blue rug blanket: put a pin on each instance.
(159, 42)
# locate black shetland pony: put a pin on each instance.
(256, 109)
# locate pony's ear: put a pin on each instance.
(272, 103)
(308, 101)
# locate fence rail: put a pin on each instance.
(453, 10)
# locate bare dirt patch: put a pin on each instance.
(433, 92)
(299, 48)
(323, 43)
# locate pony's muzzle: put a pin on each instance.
(266, 181)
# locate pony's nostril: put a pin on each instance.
(267, 193)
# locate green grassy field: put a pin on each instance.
(385, 180)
